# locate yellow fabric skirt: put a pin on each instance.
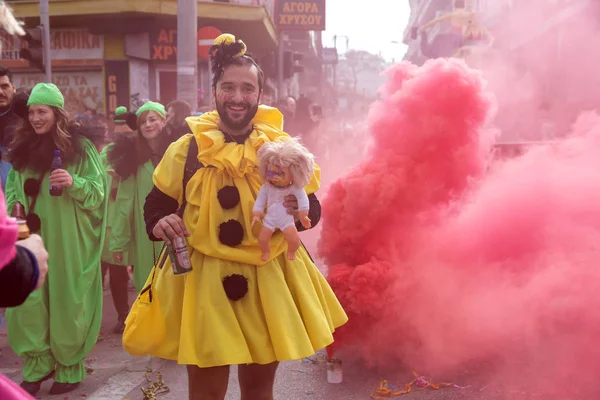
(288, 313)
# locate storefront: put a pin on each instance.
(163, 50)
(77, 68)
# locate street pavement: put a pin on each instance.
(116, 375)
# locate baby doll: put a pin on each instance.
(286, 167)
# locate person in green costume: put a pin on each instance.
(118, 275)
(58, 325)
(133, 159)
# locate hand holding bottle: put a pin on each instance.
(61, 178)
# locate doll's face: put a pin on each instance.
(278, 176)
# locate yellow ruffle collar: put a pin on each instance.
(237, 159)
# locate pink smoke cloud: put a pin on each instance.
(441, 258)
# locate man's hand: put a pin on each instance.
(170, 227)
(34, 244)
(61, 178)
(291, 203)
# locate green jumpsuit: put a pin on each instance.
(58, 325)
(128, 228)
(112, 184)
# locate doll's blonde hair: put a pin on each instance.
(287, 153)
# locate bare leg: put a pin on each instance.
(256, 381)
(264, 241)
(293, 240)
(207, 383)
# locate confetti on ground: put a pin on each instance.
(318, 358)
(387, 390)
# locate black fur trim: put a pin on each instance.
(35, 152)
(123, 155)
(131, 120)
(129, 151)
(31, 187)
(236, 286)
(229, 197)
(34, 223)
(97, 135)
(231, 233)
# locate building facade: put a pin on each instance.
(446, 37)
(107, 53)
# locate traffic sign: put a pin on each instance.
(206, 38)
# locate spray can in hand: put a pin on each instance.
(56, 164)
(179, 256)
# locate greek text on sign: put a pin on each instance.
(65, 44)
(82, 90)
(165, 48)
(300, 15)
(79, 44)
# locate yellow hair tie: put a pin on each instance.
(227, 39)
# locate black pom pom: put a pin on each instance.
(229, 197)
(236, 286)
(31, 187)
(231, 233)
(33, 223)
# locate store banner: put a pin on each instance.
(305, 15)
(163, 46)
(65, 44)
(117, 85)
(83, 91)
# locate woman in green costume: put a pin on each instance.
(133, 158)
(55, 329)
(118, 276)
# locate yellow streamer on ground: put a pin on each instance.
(386, 390)
(154, 388)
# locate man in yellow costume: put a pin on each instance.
(233, 308)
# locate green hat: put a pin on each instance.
(119, 114)
(46, 94)
(152, 106)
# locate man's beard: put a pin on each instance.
(240, 124)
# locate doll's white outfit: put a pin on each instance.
(273, 198)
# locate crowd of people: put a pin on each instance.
(112, 201)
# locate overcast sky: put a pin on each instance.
(370, 25)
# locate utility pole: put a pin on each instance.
(280, 52)
(45, 22)
(335, 66)
(187, 52)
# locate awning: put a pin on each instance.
(250, 22)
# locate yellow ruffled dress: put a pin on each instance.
(234, 308)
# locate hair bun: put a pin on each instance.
(227, 47)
